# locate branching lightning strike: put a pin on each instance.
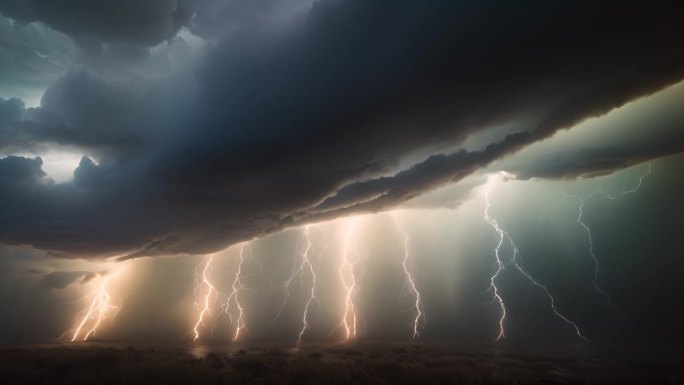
(590, 239)
(99, 308)
(516, 260)
(499, 266)
(299, 270)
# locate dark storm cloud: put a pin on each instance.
(647, 130)
(15, 171)
(31, 57)
(654, 134)
(296, 125)
(61, 279)
(146, 22)
(11, 112)
(212, 19)
(437, 170)
(599, 162)
(77, 110)
(80, 110)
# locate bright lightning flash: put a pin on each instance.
(499, 264)
(100, 307)
(210, 292)
(348, 279)
(516, 260)
(411, 284)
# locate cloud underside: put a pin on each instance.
(282, 129)
(61, 279)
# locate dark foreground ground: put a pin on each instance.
(357, 363)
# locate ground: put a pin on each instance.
(336, 363)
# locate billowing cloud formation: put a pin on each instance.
(647, 129)
(280, 126)
(31, 57)
(136, 22)
(77, 110)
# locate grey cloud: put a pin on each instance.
(146, 22)
(283, 129)
(11, 111)
(438, 170)
(646, 130)
(36, 54)
(77, 110)
(61, 279)
(216, 19)
(31, 57)
(15, 171)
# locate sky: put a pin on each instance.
(465, 171)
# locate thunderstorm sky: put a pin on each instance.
(328, 170)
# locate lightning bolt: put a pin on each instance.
(411, 283)
(312, 293)
(98, 310)
(233, 297)
(499, 266)
(299, 270)
(590, 239)
(517, 262)
(348, 279)
(210, 291)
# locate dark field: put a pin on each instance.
(353, 363)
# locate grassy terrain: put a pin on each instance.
(358, 363)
